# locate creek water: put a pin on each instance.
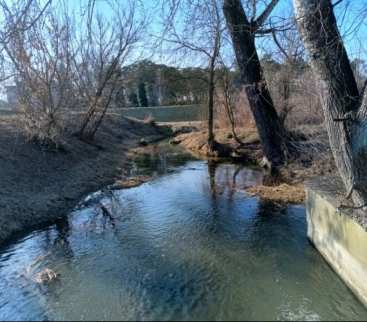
(189, 245)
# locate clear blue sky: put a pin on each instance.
(350, 14)
(352, 19)
(352, 23)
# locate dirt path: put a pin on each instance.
(39, 186)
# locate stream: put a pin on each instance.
(188, 245)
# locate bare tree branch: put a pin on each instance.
(265, 14)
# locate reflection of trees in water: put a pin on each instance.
(213, 223)
(158, 159)
(222, 190)
(63, 230)
(110, 208)
(212, 168)
(56, 239)
(103, 211)
(229, 178)
(272, 227)
(219, 178)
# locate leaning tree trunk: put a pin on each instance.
(271, 132)
(344, 107)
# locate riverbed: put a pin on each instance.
(188, 245)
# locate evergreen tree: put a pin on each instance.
(143, 100)
(133, 99)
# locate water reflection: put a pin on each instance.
(212, 166)
(158, 159)
(63, 230)
(186, 246)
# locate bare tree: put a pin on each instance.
(41, 56)
(201, 33)
(227, 97)
(344, 106)
(243, 32)
(291, 52)
(106, 45)
(59, 66)
(17, 16)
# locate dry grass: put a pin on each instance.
(130, 182)
(284, 193)
(196, 143)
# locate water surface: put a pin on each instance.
(185, 246)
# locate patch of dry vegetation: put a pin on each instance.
(311, 157)
(130, 182)
(227, 146)
(281, 193)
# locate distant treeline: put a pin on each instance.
(148, 84)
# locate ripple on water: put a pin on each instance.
(185, 246)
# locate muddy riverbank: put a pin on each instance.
(40, 185)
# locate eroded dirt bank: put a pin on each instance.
(39, 185)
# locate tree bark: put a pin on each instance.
(344, 107)
(271, 132)
(211, 87)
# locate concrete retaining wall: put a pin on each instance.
(184, 113)
(338, 235)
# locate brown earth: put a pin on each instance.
(40, 185)
(227, 147)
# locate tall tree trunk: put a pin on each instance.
(211, 87)
(344, 107)
(211, 107)
(271, 132)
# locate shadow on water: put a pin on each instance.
(188, 245)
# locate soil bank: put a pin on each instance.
(39, 185)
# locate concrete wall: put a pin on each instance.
(184, 113)
(12, 95)
(338, 236)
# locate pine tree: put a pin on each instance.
(143, 100)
